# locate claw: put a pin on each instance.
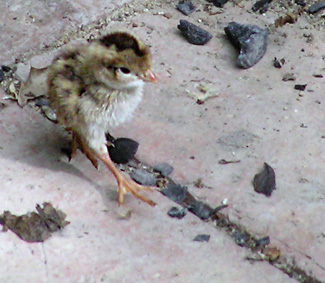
(126, 185)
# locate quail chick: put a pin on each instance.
(96, 86)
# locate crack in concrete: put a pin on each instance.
(45, 262)
(223, 223)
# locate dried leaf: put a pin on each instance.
(35, 86)
(288, 18)
(271, 253)
(35, 227)
(207, 90)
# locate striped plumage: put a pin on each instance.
(95, 86)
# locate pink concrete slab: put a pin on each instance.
(28, 26)
(99, 246)
(256, 118)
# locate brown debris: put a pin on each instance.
(272, 253)
(278, 63)
(289, 77)
(35, 227)
(2, 105)
(288, 18)
(224, 161)
(35, 86)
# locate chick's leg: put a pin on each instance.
(94, 145)
(125, 184)
(77, 141)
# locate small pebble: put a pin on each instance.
(202, 238)
(261, 6)
(300, 87)
(186, 7)
(5, 68)
(175, 192)
(264, 182)
(143, 177)
(42, 102)
(204, 211)
(177, 212)
(316, 7)
(240, 238)
(218, 3)
(251, 41)
(289, 77)
(278, 63)
(164, 169)
(194, 34)
(123, 150)
(168, 15)
(300, 3)
(2, 75)
(261, 243)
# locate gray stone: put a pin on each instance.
(164, 169)
(251, 41)
(193, 33)
(143, 177)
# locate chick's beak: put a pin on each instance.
(149, 76)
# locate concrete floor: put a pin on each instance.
(255, 118)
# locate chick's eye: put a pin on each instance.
(124, 70)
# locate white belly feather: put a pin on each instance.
(100, 119)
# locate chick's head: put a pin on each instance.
(121, 60)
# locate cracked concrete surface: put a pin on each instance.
(255, 118)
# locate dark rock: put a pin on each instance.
(218, 3)
(300, 87)
(2, 105)
(5, 68)
(67, 151)
(278, 63)
(164, 169)
(35, 227)
(264, 182)
(261, 5)
(122, 150)
(42, 102)
(186, 7)
(204, 211)
(2, 75)
(316, 7)
(201, 210)
(177, 212)
(143, 177)
(193, 33)
(175, 192)
(240, 238)
(251, 41)
(261, 243)
(202, 238)
(300, 3)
